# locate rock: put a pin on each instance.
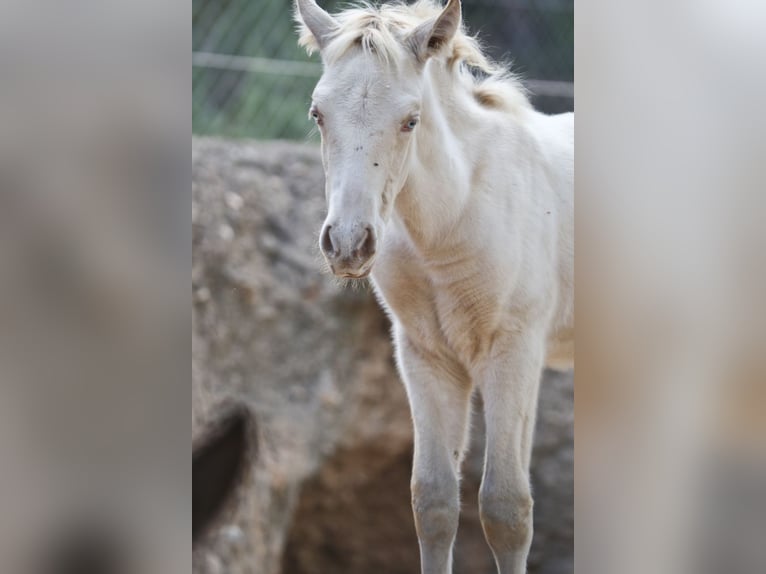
(312, 357)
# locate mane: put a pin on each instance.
(379, 30)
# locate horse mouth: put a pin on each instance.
(361, 272)
(361, 275)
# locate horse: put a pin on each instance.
(455, 196)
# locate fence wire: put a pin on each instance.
(250, 78)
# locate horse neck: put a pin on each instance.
(444, 158)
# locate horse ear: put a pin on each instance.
(317, 26)
(431, 36)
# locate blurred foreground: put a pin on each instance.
(671, 277)
(94, 326)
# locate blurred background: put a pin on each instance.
(251, 79)
(310, 356)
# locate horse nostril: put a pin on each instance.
(369, 243)
(326, 241)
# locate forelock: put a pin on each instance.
(380, 30)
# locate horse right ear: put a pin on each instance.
(316, 25)
(431, 36)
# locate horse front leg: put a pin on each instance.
(439, 392)
(509, 385)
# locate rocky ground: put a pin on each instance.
(312, 357)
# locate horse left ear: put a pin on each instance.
(430, 37)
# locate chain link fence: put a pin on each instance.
(250, 78)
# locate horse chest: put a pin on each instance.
(468, 314)
(439, 312)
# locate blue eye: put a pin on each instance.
(410, 125)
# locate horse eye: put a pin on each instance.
(410, 125)
(317, 117)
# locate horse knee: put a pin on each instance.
(506, 518)
(436, 507)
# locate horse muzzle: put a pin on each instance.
(349, 250)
